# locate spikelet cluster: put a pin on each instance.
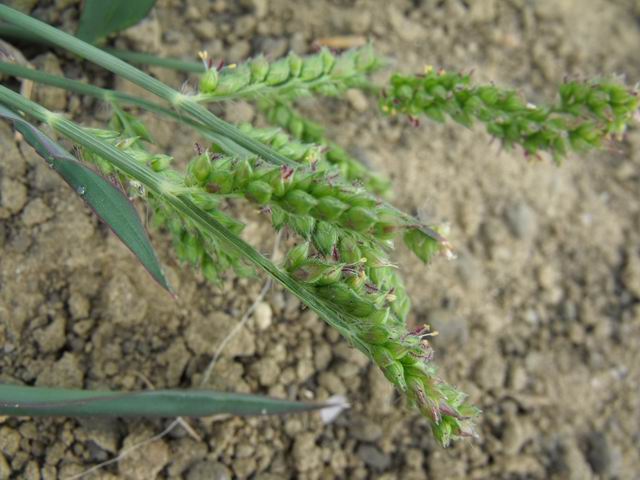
(340, 219)
(191, 244)
(324, 73)
(585, 115)
(342, 259)
(284, 115)
(425, 242)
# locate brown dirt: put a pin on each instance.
(539, 316)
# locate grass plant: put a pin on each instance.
(338, 209)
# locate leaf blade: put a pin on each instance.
(108, 202)
(100, 18)
(42, 401)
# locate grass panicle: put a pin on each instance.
(287, 195)
(585, 115)
(352, 275)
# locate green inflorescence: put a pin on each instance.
(323, 73)
(283, 114)
(309, 154)
(342, 222)
(191, 245)
(274, 84)
(315, 189)
(585, 115)
(342, 257)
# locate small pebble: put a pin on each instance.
(373, 457)
(357, 100)
(262, 316)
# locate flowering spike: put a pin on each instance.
(586, 115)
(293, 76)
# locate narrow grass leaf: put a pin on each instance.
(38, 401)
(100, 18)
(109, 203)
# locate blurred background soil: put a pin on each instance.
(539, 317)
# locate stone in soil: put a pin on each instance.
(306, 454)
(373, 457)
(13, 197)
(144, 462)
(205, 333)
(262, 316)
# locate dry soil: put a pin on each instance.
(539, 317)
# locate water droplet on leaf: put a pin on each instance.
(81, 190)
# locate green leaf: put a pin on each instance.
(102, 17)
(37, 401)
(109, 203)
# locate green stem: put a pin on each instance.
(123, 69)
(180, 202)
(116, 97)
(75, 132)
(139, 58)
(261, 89)
(82, 88)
